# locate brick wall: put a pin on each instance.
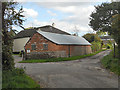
(80, 50)
(53, 49)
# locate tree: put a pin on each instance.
(92, 37)
(116, 32)
(9, 17)
(116, 27)
(76, 31)
(102, 20)
(101, 33)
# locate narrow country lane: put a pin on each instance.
(83, 73)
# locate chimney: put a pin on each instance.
(53, 24)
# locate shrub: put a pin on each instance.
(111, 63)
(109, 45)
(20, 54)
(96, 46)
(92, 37)
(17, 78)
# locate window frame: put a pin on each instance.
(45, 46)
(33, 46)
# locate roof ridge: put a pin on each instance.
(31, 31)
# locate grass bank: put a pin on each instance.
(60, 59)
(111, 63)
(17, 79)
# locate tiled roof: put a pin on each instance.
(51, 29)
(25, 33)
(30, 32)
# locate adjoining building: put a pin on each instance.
(106, 39)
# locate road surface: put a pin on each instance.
(83, 73)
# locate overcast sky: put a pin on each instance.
(67, 15)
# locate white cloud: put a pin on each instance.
(63, 25)
(36, 23)
(77, 15)
(70, 27)
(51, 13)
(30, 13)
(68, 9)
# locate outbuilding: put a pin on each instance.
(50, 45)
(23, 36)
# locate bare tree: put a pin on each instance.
(76, 31)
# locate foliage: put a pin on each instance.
(106, 18)
(100, 33)
(9, 17)
(21, 53)
(92, 37)
(116, 33)
(109, 45)
(116, 27)
(60, 59)
(96, 46)
(101, 18)
(111, 63)
(17, 79)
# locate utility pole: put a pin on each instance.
(114, 50)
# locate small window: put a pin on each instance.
(33, 47)
(45, 46)
(28, 50)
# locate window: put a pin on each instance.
(28, 50)
(45, 46)
(33, 47)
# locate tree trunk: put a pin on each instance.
(7, 59)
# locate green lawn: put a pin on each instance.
(17, 79)
(111, 63)
(60, 59)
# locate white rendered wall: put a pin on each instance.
(18, 44)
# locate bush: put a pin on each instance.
(111, 63)
(103, 46)
(92, 37)
(96, 46)
(109, 45)
(20, 54)
(17, 78)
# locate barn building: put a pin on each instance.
(52, 43)
(23, 36)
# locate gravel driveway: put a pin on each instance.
(83, 73)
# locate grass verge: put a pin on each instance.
(17, 79)
(60, 59)
(111, 63)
